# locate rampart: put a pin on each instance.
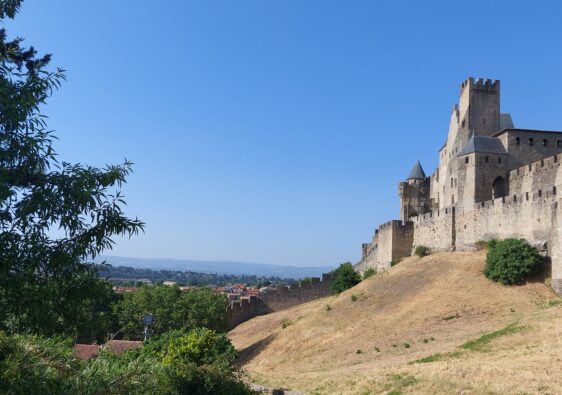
(391, 242)
(531, 211)
(275, 299)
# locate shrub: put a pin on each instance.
(353, 298)
(286, 322)
(510, 261)
(421, 251)
(328, 307)
(345, 278)
(370, 272)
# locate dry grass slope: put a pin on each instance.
(428, 325)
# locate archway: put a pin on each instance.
(499, 188)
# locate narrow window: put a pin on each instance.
(517, 140)
(462, 124)
(517, 171)
(514, 198)
(486, 159)
(530, 168)
(555, 158)
(531, 141)
(466, 160)
(554, 190)
(483, 121)
(559, 143)
(500, 160)
(540, 193)
(526, 195)
(544, 142)
(451, 182)
(542, 163)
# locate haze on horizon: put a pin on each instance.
(276, 132)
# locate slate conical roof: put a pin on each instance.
(417, 172)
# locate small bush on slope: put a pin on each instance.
(421, 251)
(511, 261)
(345, 278)
(370, 272)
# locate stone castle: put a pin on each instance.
(493, 181)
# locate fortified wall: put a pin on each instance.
(532, 211)
(275, 299)
(493, 182)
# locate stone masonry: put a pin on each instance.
(493, 181)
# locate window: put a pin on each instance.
(542, 163)
(540, 193)
(517, 140)
(515, 198)
(466, 160)
(530, 168)
(526, 195)
(544, 142)
(462, 124)
(554, 190)
(559, 143)
(531, 141)
(500, 160)
(486, 159)
(555, 158)
(451, 182)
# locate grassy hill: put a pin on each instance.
(428, 325)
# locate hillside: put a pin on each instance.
(422, 308)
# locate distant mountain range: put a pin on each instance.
(220, 267)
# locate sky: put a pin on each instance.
(276, 131)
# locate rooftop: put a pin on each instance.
(483, 144)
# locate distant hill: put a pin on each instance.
(220, 267)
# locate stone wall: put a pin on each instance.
(275, 299)
(435, 230)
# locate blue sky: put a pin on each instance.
(277, 131)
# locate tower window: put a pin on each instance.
(486, 159)
(544, 142)
(500, 160)
(451, 182)
(540, 193)
(559, 143)
(555, 158)
(526, 195)
(531, 141)
(554, 190)
(517, 140)
(462, 124)
(466, 160)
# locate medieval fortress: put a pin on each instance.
(493, 181)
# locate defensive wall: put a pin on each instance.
(531, 211)
(275, 299)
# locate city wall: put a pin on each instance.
(531, 211)
(275, 299)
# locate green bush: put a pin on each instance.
(511, 261)
(421, 251)
(353, 297)
(370, 272)
(345, 278)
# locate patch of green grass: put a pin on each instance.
(438, 357)
(402, 380)
(353, 297)
(285, 323)
(554, 302)
(406, 345)
(451, 317)
(328, 307)
(481, 344)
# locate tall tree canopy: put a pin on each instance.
(54, 215)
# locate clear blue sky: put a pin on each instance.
(276, 131)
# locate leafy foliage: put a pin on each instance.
(511, 261)
(173, 309)
(370, 272)
(421, 251)
(345, 278)
(42, 271)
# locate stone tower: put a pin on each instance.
(480, 104)
(414, 193)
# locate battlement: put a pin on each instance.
(481, 84)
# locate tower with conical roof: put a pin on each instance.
(414, 193)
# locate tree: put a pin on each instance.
(345, 278)
(511, 261)
(53, 215)
(172, 309)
